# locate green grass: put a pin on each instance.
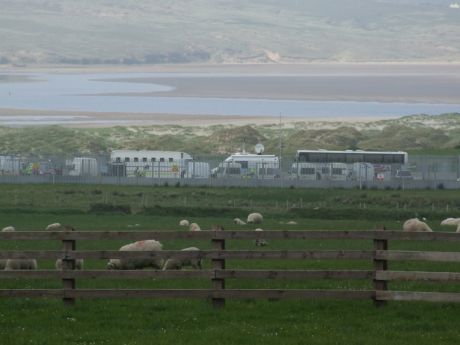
(151, 321)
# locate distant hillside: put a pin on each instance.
(229, 31)
(423, 133)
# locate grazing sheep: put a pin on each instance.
(194, 227)
(17, 264)
(238, 221)
(184, 222)
(414, 225)
(58, 227)
(452, 221)
(78, 264)
(55, 227)
(177, 264)
(259, 241)
(3, 261)
(127, 264)
(255, 218)
(21, 264)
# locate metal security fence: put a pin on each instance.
(421, 172)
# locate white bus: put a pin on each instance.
(249, 165)
(157, 164)
(347, 165)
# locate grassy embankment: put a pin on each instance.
(184, 321)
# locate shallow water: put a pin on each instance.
(83, 92)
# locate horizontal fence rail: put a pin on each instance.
(231, 235)
(218, 274)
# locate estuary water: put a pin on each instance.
(105, 93)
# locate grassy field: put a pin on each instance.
(143, 321)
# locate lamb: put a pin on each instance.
(78, 264)
(184, 222)
(3, 261)
(177, 264)
(452, 221)
(194, 227)
(58, 227)
(255, 218)
(126, 264)
(238, 221)
(259, 242)
(414, 224)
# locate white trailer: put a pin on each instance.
(153, 164)
(10, 165)
(82, 166)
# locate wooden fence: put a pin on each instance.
(380, 274)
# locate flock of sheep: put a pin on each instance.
(414, 224)
(410, 225)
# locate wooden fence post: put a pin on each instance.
(67, 265)
(218, 264)
(380, 265)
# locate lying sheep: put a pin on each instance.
(127, 264)
(177, 264)
(238, 221)
(255, 218)
(452, 221)
(3, 261)
(291, 222)
(194, 227)
(259, 241)
(414, 225)
(184, 222)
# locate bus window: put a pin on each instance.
(307, 171)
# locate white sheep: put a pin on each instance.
(3, 261)
(59, 227)
(452, 221)
(78, 264)
(55, 227)
(291, 222)
(238, 221)
(259, 241)
(194, 227)
(177, 264)
(255, 218)
(415, 225)
(21, 264)
(127, 264)
(184, 222)
(17, 264)
(9, 229)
